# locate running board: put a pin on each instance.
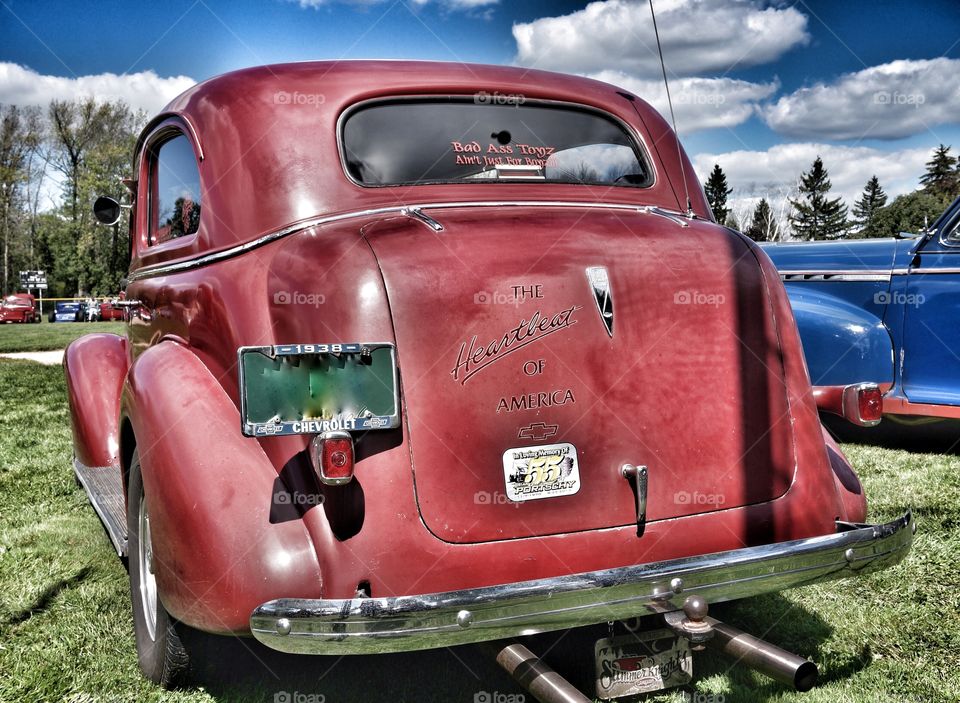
(104, 488)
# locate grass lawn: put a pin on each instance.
(66, 631)
(48, 336)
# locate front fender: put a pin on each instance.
(95, 366)
(219, 547)
(842, 343)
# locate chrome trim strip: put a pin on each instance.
(934, 271)
(115, 530)
(406, 623)
(837, 275)
(204, 260)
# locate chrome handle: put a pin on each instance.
(637, 478)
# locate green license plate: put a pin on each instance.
(313, 388)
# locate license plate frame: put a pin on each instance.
(641, 662)
(332, 371)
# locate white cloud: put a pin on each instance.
(451, 4)
(773, 174)
(699, 103)
(893, 100)
(146, 90)
(697, 37)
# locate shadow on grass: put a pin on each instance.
(939, 437)
(242, 669)
(46, 597)
(232, 669)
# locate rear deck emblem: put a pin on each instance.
(538, 431)
(600, 283)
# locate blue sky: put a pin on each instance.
(762, 87)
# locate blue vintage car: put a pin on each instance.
(885, 311)
(65, 312)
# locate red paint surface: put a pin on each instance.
(713, 397)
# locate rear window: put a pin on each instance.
(459, 141)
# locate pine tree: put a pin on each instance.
(941, 177)
(717, 192)
(763, 228)
(865, 209)
(815, 216)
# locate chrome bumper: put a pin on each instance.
(404, 623)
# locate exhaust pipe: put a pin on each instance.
(542, 682)
(768, 659)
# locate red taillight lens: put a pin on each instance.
(870, 403)
(863, 404)
(332, 456)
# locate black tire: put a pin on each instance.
(163, 658)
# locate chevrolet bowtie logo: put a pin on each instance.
(538, 430)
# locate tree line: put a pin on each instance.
(53, 164)
(813, 215)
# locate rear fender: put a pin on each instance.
(842, 343)
(220, 545)
(95, 367)
(852, 498)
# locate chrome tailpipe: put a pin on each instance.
(760, 655)
(542, 682)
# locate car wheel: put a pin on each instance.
(162, 656)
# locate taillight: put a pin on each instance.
(332, 457)
(871, 404)
(863, 404)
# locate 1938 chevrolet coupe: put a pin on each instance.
(883, 311)
(423, 354)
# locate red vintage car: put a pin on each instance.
(19, 307)
(108, 310)
(424, 354)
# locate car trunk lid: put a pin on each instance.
(522, 407)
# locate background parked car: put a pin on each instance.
(108, 311)
(65, 312)
(882, 310)
(19, 307)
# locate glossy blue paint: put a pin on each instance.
(862, 254)
(884, 310)
(842, 343)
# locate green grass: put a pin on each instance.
(66, 631)
(49, 336)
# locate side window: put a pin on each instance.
(953, 233)
(174, 191)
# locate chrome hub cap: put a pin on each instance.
(148, 582)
